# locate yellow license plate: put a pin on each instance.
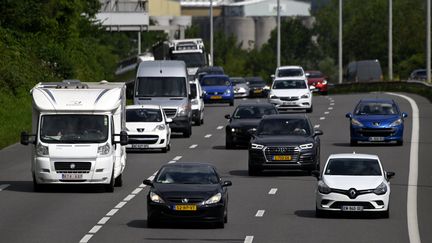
(185, 208)
(258, 91)
(216, 97)
(282, 157)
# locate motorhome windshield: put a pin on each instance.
(74, 128)
(195, 59)
(161, 87)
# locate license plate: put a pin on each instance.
(216, 97)
(352, 208)
(72, 176)
(376, 139)
(140, 146)
(185, 207)
(289, 103)
(258, 91)
(282, 157)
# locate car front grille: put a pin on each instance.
(170, 112)
(189, 199)
(377, 132)
(292, 151)
(292, 98)
(143, 139)
(72, 167)
(338, 205)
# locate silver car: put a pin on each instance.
(241, 89)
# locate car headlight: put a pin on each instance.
(323, 188)
(156, 198)
(194, 102)
(355, 122)
(159, 127)
(228, 91)
(324, 82)
(256, 146)
(266, 87)
(235, 130)
(305, 96)
(104, 149)
(214, 199)
(306, 146)
(273, 97)
(183, 110)
(396, 123)
(42, 150)
(381, 189)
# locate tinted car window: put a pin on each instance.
(376, 109)
(215, 82)
(143, 115)
(297, 127)
(294, 72)
(187, 175)
(349, 166)
(251, 112)
(193, 90)
(289, 84)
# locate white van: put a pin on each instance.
(197, 102)
(78, 133)
(165, 83)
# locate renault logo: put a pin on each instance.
(352, 193)
(376, 123)
(140, 129)
(72, 166)
(185, 200)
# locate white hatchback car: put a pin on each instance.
(289, 71)
(353, 183)
(291, 94)
(147, 127)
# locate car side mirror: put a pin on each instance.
(169, 120)
(252, 131)
(316, 174)
(312, 87)
(226, 183)
(227, 116)
(348, 115)
(404, 114)
(25, 138)
(318, 132)
(148, 182)
(390, 174)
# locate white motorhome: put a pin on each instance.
(78, 133)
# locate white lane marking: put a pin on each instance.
(193, 146)
(4, 186)
(412, 220)
(332, 104)
(177, 157)
(86, 238)
(120, 205)
(244, 98)
(151, 178)
(249, 239)
(95, 229)
(260, 213)
(103, 220)
(330, 108)
(326, 112)
(142, 185)
(137, 190)
(171, 162)
(322, 118)
(219, 127)
(317, 126)
(128, 198)
(273, 191)
(112, 212)
(208, 135)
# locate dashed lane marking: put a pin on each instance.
(332, 104)
(330, 108)
(103, 220)
(193, 146)
(120, 205)
(87, 237)
(322, 118)
(4, 186)
(129, 197)
(171, 162)
(273, 191)
(208, 135)
(137, 190)
(177, 157)
(219, 127)
(249, 239)
(260, 213)
(317, 126)
(112, 212)
(95, 229)
(326, 112)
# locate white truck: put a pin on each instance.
(78, 133)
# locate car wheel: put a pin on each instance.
(36, 186)
(353, 142)
(197, 121)
(110, 186)
(226, 215)
(320, 213)
(119, 181)
(188, 132)
(228, 143)
(231, 103)
(221, 224)
(253, 171)
(151, 222)
(202, 121)
(164, 150)
(385, 214)
(399, 142)
(309, 110)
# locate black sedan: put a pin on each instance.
(285, 141)
(190, 192)
(244, 118)
(257, 87)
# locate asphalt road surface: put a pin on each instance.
(273, 207)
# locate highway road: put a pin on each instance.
(273, 207)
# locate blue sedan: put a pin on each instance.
(217, 89)
(376, 120)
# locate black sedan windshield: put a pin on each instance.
(253, 112)
(297, 127)
(353, 167)
(187, 175)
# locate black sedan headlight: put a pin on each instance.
(156, 198)
(214, 199)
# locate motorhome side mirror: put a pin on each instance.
(123, 138)
(24, 138)
(227, 116)
(404, 114)
(348, 115)
(226, 183)
(318, 132)
(316, 174)
(390, 174)
(148, 182)
(169, 120)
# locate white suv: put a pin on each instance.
(291, 94)
(289, 71)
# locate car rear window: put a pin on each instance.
(353, 167)
(291, 72)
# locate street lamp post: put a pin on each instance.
(428, 41)
(390, 42)
(211, 33)
(340, 41)
(278, 45)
